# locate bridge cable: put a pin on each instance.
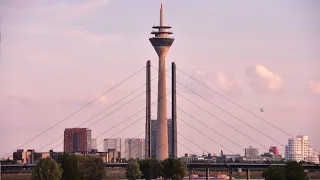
(212, 130)
(160, 145)
(217, 119)
(121, 123)
(240, 106)
(112, 112)
(104, 111)
(77, 111)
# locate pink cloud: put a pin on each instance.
(314, 87)
(229, 85)
(219, 81)
(264, 80)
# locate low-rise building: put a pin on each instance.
(271, 157)
(29, 156)
(192, 158)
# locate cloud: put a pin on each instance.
(103, 99)
(199, 72)
(109, 81)
(12, 99)
(314, 87)
(230, 86)
(263, 80)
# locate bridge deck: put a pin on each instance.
(189, 165)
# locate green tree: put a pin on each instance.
(295, 171)
(47, 169)
(150, 168)
(70, 164)
(174, 168)
(274, 173)
(133, 170)
(78, 167)
(291, 171)
(92, 168)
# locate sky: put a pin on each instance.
(58, 55)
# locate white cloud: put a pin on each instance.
(314, 87)
(263, 80)
(199, 72)
(109, 81)
(230, 86)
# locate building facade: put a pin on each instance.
(274, 150)
(29, 156)
(271, 157)
(153, 138)
(77, 140)
(298, 150)
(127, 147)
(251, 152)
(135, 148)
(115, 144)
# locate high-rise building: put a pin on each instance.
(135, 148)
(162, 43)
(252, 152)
(115, 144)
(298, 150)
(154, 138)
(77, 140)
(274, 150)
(127, 147)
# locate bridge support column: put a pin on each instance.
(190, 173)
(230, 174)
(248, 174)
(207, 174)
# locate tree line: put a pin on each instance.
(170, 168)
(78, 167)
(291, 171)
(70, 166)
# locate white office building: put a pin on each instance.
(298, 150)
(115, 144)
(127, 147)
(251, 152)
(135, 148)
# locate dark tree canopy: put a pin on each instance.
(274, 173)
(295, 171)
(78, 167)
(292, 171)
(70, 165)
(174, 168)
(133, 170)
(150, 168)
(93, 168)
(47, 169)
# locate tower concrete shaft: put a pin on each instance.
(161, 43)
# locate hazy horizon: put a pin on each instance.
(58, 55)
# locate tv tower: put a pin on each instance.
(161, 43)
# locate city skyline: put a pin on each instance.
(53, 63)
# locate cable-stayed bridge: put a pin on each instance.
(175, 117)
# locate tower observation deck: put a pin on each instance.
(161, 43)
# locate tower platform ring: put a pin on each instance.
(160, 41)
